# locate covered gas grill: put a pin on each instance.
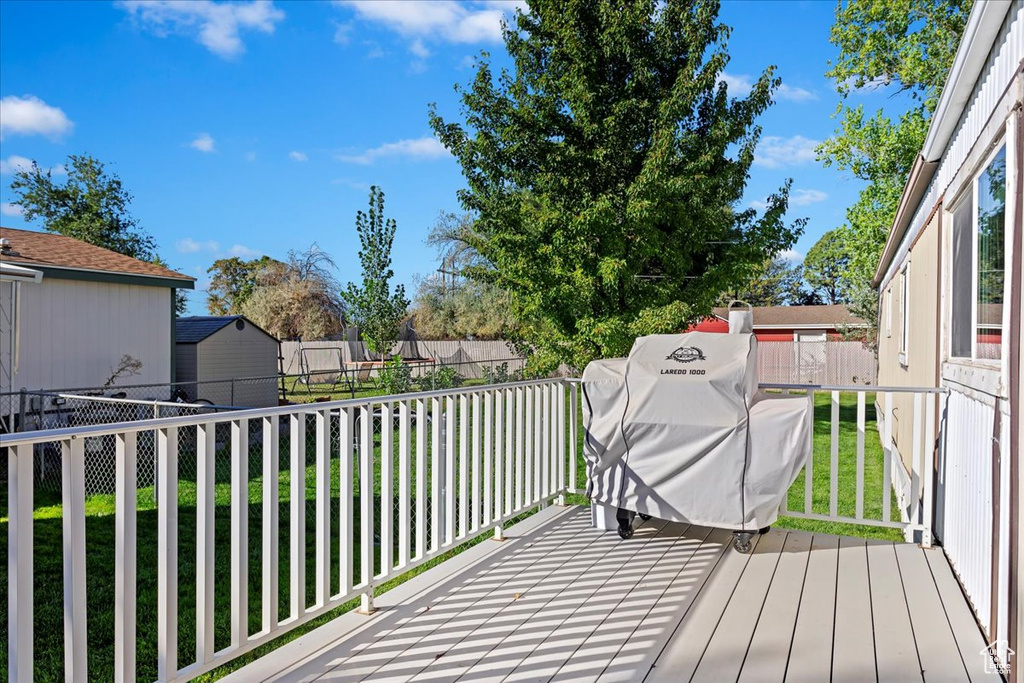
(679, 431)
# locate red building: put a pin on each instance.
(790, 323)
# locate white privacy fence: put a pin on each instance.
(824, 361)
(365, 491)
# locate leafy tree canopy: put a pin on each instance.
(373, 306)
(908, 44)
(606, 172)
(297, 299)
(825, 268)
(92, 206)
(233, 282)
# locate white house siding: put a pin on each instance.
(73, 333)
(232, 354)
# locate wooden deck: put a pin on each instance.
(559, 601)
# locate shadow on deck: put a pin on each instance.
(560, 601)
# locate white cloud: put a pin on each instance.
(791, 255)
(354, 184)
(204, 143)
(9, 209)
(216, 25)
(439, 20)
(804, 197)
(29, 115)
(776, 152)
(297, 156)
(242, 251)
(739, 85)
(420, 148)
(419, 49)
(16, 163)
(190, 246)
(342, 33)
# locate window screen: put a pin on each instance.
(962, 286)
(991, 256)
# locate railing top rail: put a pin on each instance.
(854, 387)
(132, 401)
(42, 436)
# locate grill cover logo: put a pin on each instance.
(686, 354)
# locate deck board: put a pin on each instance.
(560, 601)
(769, 647)
(810, 656)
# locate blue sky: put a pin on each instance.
(251, 128)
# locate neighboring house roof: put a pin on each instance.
(62, 256)
(196, 328)
(789, 317)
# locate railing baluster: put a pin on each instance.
(488, 456)
(404, 480)
(502, 474)
(346, 489)
(928, 470)
(421, 478)
(809, 467)
(538, 443)
(546, 459)
(560, 430)
(435, 474)
(297, 516)
(206, 451)
(125, 554)
(20, 607)
(887, 460)
(449, 472)
(463, 464)
(833, 484)
(271, 523)
(528, 497)
(521, 396)
(239, 532)
(508, 415)
(387, 487)
(322, 495)
(474, 468)
(860, 453)
(573, 426)
(366, 508)
(166, 555)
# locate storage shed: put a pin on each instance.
(226, 360)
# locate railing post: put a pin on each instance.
(809, 467)
(19, 562)
(239, 532)
(73, 489)
(125, 488)
(928, 471)
(271, 523)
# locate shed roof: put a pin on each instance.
(49, 250)
(194, 329)
(826, 316)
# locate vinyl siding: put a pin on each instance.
(232, 354)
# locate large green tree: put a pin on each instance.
(906, 46)
(232, 282)
(605, 173)
(91, 205)
(825, 268)
(373, 306)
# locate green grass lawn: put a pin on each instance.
(100, 546)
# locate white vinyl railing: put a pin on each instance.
(391, 482)
(917, 514)
(415, 475)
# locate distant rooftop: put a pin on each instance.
(50, 250)
(196, 328)
(831, 315)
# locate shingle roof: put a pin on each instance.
(196, 328)
(49, 249)
(831, 315)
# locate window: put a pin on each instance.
(904, 312)
(888, 312)
(978, 269)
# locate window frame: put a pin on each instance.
(904, 313)
(999, 146)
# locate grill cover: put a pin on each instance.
(679, 431)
